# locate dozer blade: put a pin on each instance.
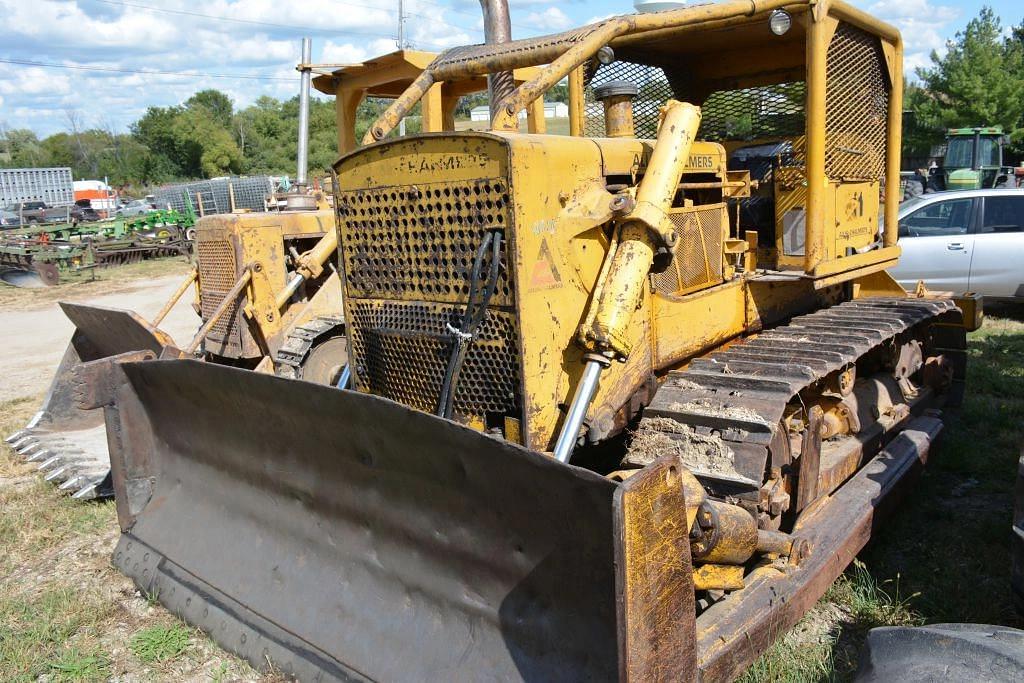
(71, 441)
(343, 536)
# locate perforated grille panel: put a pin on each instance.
(216, 259)
(419, 242)
(408, 254)
(771, 112)
(856, 106)
(654, 90)
(698, 258)
(402, 349)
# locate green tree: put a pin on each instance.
(155, 132)
(216, 103)
(979, 81)
(206, 147)
(20, 147)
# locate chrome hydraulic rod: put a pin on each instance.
(585, 391)
(289, 289)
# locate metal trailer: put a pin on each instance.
(218, 195)
(50, 185)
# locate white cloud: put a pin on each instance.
(922, 23)
(550, 19)
(82, 32)
(350, 53)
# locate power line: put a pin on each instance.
(150, 72)
(475, 15)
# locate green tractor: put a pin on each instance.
(974, 160)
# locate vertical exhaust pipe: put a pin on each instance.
(497, 29)
(298, 199)
(303, 155)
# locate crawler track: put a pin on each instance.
(740, 394)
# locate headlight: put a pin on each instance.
(780, 22)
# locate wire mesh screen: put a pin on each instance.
(856, 106)
(653, 87)
(698, 260)
(250, 192)
(767, 112)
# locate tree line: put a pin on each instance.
(203, 137)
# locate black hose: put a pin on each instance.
(473, 316)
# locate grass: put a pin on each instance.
(944, 556)
(160, 643)
(65, 613)
(75, 665)
(95, 283)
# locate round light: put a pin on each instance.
(780, 22)
(606, 55)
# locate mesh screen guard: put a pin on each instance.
(217, 273)
(857, 102)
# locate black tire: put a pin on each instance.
(959, 653)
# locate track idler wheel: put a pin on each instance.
(325, 361)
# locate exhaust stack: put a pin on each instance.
(497, 29)
(298, 198)
(303, 155)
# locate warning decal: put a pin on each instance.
(545, 274)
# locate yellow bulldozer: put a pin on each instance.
(618, 404)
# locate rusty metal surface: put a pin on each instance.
(65, 440)
(734, 632)
(113, 331)
(656, 598)
(384, 543)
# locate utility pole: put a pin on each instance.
(401, 24)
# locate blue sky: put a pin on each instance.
(260, 39)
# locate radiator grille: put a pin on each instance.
(856, 106)
(401, 350)
(698, 258)
(408, 256)
(216, 260)
(654, 90)
(419, 242)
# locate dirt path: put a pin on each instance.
(32, 341)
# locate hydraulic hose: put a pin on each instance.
(473, 316)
